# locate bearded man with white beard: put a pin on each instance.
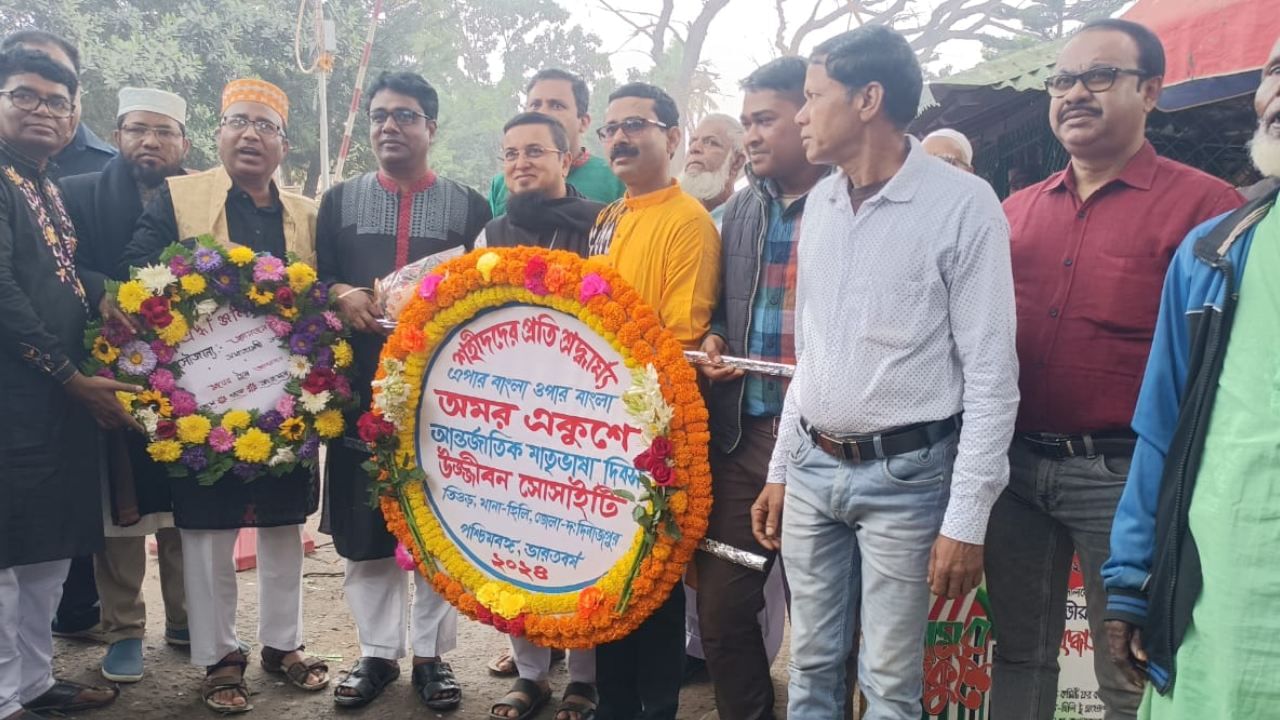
(714, 161)
(1193, 535)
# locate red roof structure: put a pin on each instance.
(1214, 48)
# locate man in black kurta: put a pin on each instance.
(367, 228)
(50, 456)
(105, 206)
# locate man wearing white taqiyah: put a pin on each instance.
(104, 207)
(951, 147)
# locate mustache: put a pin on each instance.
(621, 151)
(1092, 110)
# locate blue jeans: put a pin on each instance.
(856, 538)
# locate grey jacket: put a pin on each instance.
(742, 234)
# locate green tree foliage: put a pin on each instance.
(477, 53)
(1045, 20)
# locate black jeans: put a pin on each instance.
(78, 609)
(638, 677)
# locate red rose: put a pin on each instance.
(319, 380)
(284, 297)
(156, 312)
(661, 448)
(373, 428)
(661, 473)
(645, 460)
(166, 430)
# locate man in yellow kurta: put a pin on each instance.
(664, 243)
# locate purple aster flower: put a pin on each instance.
(301, 344)
(268, 268)
(194, 458)
(246, 471)
(208, 259)
(324, 357)
(226, 281)
(164, 353)
(136, 359)
(269, 421)
(116, 333)
(310, 448)
(179, 266)
(312, 326)
(319, 294)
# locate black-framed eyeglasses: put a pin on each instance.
(30, 101)
(1096, 80)
(511, 156)
(240, 123)
(137, 132)
(630, 126)
(404, 117)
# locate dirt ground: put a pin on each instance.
(170, 688)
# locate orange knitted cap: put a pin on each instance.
(259, 91)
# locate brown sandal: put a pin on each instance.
(297, 672)
(214, 685)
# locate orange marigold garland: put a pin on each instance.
(663, 400)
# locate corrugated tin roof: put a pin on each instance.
(1024, 69)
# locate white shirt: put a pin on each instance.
(905, 314)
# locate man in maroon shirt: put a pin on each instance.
(1090, 246)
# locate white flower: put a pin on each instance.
(314, 403)
(149, 418)
(204, 308)
(155, 278)
(645, 404)
(299, 366)
(283, 456)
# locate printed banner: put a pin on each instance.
(232, 361)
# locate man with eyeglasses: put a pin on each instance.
(662, 241)
(104, 207)
(370, 226)
(50, 462)
(1090, 246)
(564, 96)
(238, 203)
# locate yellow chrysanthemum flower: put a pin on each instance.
(488, 593)
(301, 277)
(126, 399)
(329, 424)
(165, 450)
(510, 604)
(104, 352)
(193, 284)
(175, 332)
(259, 297)
(487, 263)
(253, 446)
(289, 313)
(342, 354)
(240, 255)
(193, 429)
(236, 420)
(293, 429)
(131, 295)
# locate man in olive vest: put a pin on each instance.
(238, 203)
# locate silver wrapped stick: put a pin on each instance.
(759, 367)
(737, 556)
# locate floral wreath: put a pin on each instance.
(663, 400)
(189, 284)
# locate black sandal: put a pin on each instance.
(212, 686)
(62, 696)
(367, 679)
(515, 699)
(584, 711)
(435, 677)
(298, 671)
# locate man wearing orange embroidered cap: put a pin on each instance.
(238, 203)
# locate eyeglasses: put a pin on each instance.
(511, 156)
(30, 101)
(240, 123)
(137, 132)
(404, 117)
(629, 127)
(1096, 80)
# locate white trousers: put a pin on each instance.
(378, 595)
(209, 571)
(534, 662)
(29, 596)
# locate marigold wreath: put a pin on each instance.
(183, 296)
(662, 399)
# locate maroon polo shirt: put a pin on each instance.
(1088, 277)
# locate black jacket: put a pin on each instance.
(559, 224)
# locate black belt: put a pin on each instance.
(1061, 447)
(865, 448)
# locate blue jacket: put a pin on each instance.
(1153, 577)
